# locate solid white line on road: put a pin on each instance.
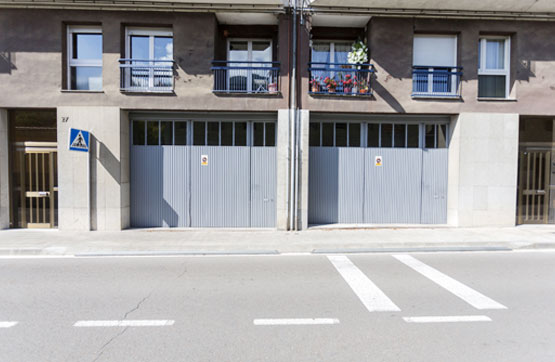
(448, 319)
(7, 324)
(125, 323)
(369, 294)
(469, 295)
(294, 321)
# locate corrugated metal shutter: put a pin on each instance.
(434, 186)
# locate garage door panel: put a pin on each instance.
(220, 191)
(350, 185)
(323, 185)
(159, 190)
(393, 190)
(434, 186)
(263, 187)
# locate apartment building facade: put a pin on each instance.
(257, 114)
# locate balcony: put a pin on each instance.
(238, 77)
(436, 82)
(340, 79)
(146, 76)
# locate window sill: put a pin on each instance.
(79, 91)
(440, 98)
(247, 94)
(490, 99)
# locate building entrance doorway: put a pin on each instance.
(536, 172)
(34, 169)
(37, 183)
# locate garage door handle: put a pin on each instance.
(268, 200)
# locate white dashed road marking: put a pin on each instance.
(369, 294)
(125, 323)
(469, 295)
(7, 324)
(448, 319)
(294, 321)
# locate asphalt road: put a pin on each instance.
(495, 306)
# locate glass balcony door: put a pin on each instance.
(246, 61)
(150, 53)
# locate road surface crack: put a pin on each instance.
(137, 306)
(101, 350)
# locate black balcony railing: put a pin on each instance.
(340, 79)
(442, 82)
(246, 77)
(140, 75)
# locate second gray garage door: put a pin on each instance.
(203, 174)
(378, 173)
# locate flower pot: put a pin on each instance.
(331, 90)
(347, 90)
(272, 87)
(315, 89)
(363, 91)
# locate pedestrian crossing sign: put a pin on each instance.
(78, 140)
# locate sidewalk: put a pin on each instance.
(328, 239)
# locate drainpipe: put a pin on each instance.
(293, 124)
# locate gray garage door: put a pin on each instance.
(203, 174)
(377, 173)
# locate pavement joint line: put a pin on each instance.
(464, 292)
(369, 293)
(177, 253)
(8, 324)
(124, 323)
(447, 319)
(411, 249)
(295, 321)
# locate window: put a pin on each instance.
(84, 58)
(159, 133)
(326, 54)
(246, 60)
(435, 71)
(330, 52)
(340, 134)
(149, 63)
(435, 136)
(494, 67)
(393, 135)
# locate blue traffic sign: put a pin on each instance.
(78, 140)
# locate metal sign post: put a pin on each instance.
(79, 140)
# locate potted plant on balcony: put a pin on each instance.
(362, 85)
(315, 85)
(358, 54)
(272, 87)
(331, 84)
(348, 83)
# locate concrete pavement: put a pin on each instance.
(63, 308)
(328, 239)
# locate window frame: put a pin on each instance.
(482, 56)
(454, 83)
(332, 44)
(151, 33)
(74, 63)
(249, 42)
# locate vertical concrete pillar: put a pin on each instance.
(109, 169)
(282, 174)
(4, 171)
(302, 213)
(483, 168)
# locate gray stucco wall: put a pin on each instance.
(390, 45)
(32, 60)
(109, 169)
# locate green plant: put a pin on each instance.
(358, 53)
